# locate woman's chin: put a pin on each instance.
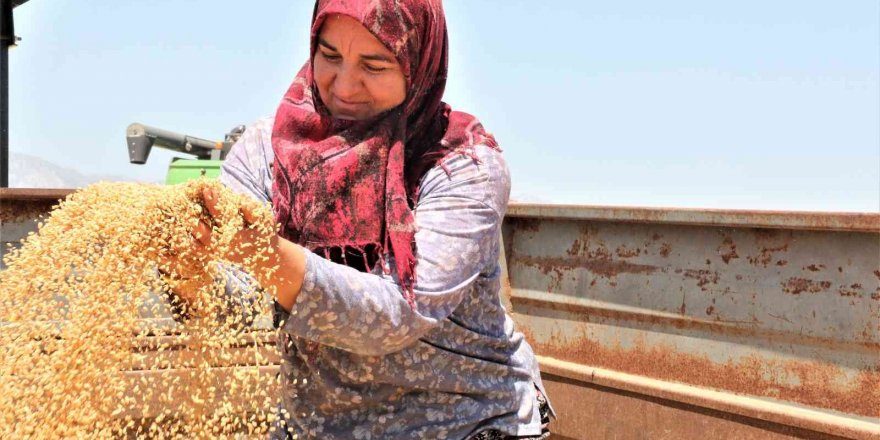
(346, 117)
(348, 114)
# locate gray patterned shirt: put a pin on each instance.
(358, 362)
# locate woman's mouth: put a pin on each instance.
(347, 108)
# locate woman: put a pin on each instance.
(390, 206)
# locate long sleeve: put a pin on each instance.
(458, 219)
(246, 171)
(247, 167)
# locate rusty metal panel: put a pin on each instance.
(788, 312)
(610, 413)
(20, 212)
(800, 220)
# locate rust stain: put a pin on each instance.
(763, 258)
(14, 211)
(710, 310)
(624, 252)
(664, 250)
(796, 286)
(743, 329)
(876, 272)
(600, 253)
(581, 246)
(851, 291)
(752, 375)
(780, 317)
(703, 277)
(527, 224)
(814, 267)
(782, 262)
(763, 234)
(575, 248)
(598, 262)
(556, 283)
(729, 250)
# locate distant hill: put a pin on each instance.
(26, 171)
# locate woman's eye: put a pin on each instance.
(330, 57)
(374, 69)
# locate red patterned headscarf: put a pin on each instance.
(346, 188)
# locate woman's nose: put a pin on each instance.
(347, 84)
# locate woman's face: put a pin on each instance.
(356, 75)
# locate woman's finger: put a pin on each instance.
(202, 234)
(210, 201)
(247, 213)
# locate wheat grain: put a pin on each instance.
(77, 359)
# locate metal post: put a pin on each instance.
(7, 38)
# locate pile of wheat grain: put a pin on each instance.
(78, 359)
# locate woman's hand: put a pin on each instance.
(277, 264)
(285, 281)
(186, 272)
(247, 241)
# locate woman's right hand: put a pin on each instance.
(185, 259)
(279, 269)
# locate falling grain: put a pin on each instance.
(78, 359)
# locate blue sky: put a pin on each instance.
(747, 104)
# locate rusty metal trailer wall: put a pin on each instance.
(659, 323)
(20, 211)
(674, 323)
